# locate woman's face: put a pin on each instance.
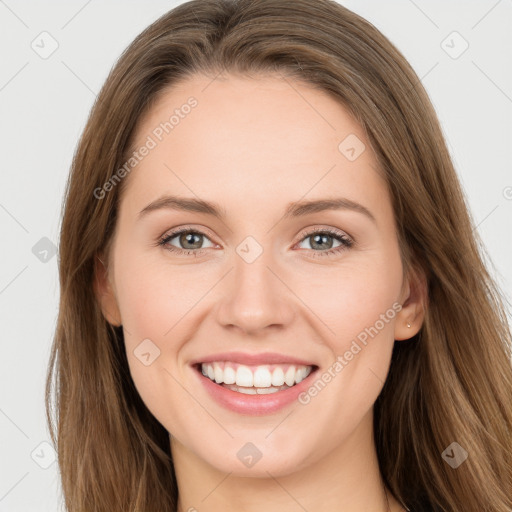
(270, 281)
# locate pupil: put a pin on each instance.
(188, 237)
(322, 239)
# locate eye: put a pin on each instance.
(189, 239)
(320, 244)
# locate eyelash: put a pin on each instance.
(346, 242)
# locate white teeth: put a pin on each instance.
(229, 375)
(302, 373)
(277, 377)
(244, 376)
(259, 379)
(262, 377)
(218, 373)
(289, 376)
(253, 390)
(247, 391)
(266, 391)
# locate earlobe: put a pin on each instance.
(105, 294)
(410, 318)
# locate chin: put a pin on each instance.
(255, 459)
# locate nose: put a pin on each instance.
(255, 297)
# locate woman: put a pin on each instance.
(256, 367)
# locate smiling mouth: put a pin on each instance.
(255, 380)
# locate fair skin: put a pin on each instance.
(252, 146)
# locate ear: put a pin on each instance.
(105, 292)
(414, 302)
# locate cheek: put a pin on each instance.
(154, 301)
(362, 319)
(153, 296)
(345, 300)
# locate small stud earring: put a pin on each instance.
(408, 324)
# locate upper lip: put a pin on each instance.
(253, 359)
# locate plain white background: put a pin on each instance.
(44, 103)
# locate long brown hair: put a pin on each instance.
(451, 383)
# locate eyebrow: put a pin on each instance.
(295, 209)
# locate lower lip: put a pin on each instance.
(254, 405)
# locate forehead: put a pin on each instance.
(252, 141)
